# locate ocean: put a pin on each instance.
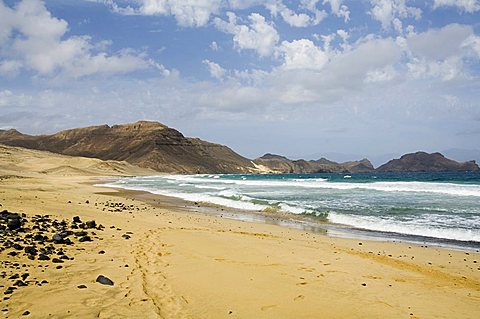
(439, 208)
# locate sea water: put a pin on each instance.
(443, 206)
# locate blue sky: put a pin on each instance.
(363, 77)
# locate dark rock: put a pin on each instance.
(14, 224)
(81, 287)
(17, 246)
(20, 283)
(57, 261)
(26, 313)
(43, 257)
(31, 250)
(80, 233)
(57, 239)
(104, 280)
(126, 236)
(91, 224)
(85, 238)
(76, 219)
(101, 252)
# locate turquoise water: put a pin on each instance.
(445, 206)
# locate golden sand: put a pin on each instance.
(183, 264)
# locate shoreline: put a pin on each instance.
(303, 222)
(166, 261)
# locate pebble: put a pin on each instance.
(104, 280)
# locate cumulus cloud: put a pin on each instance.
(34, 40)
(390, 12)
(259, 35)
(190, 13)
(187, 13)
(302, 54)
(441, 52)
(339, 9)
(299, 20)
(469, 6)
(216, 71)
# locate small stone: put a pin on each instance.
(104, 280)
(26, 313)
(20, 283)
(76, 219)
(57, 239)
(126, 236)
(30, 250)
(81, 287)
(81, 233)
(85, 238)
(43, 257)
(57, 261)
(364, 284)
(91, 224)
(14, 223)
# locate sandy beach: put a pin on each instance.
(168, 261)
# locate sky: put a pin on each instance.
(348, 78)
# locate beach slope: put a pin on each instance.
(169, 261)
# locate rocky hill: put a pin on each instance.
(281, 164)
(146, 144)
(161, 148)
(425, 162)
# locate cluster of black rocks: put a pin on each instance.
(40, 238)
(118, 207)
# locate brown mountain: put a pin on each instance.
(425, 162)
(281, 164)
(146, 144)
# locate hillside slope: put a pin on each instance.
(146, 144)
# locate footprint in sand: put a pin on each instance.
(265, 308)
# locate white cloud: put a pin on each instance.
(216, 71)
(259, 35)
(469, 6)
(439, 44)
(295, 20)
(390, 12)
(381, 75)
(339, 9)
(302, 54)
(214, 46)
(39, 44)
(440, 53)
(298, 19)
(188, 13)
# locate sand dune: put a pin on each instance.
(172, 262)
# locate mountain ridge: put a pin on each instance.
(156, 146)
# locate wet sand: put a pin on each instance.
(168, 261)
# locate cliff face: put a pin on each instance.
(425, 162)
(281, 164)
(146, 144)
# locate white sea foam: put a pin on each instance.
(415, 228)
(418, 187)
(209, 187)
(197, 197)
